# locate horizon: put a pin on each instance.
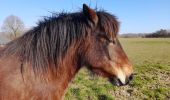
(134, 16)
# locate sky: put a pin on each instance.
(135, 16)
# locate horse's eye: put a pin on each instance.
(104, 40)
(114, 42)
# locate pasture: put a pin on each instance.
(151, 60)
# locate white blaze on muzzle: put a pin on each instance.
(121, 76)
(119, 73)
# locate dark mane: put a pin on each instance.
(52, 37)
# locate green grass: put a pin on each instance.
(151, 60)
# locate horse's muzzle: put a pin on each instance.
(116, 81)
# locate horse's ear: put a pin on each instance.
(90, 14)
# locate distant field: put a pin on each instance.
(151, 60)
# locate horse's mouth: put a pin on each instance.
(117, 82)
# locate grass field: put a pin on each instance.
(151, 60)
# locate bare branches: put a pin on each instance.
(12, 27)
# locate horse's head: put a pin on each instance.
(104, 54)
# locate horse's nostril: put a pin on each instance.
(119, 82)
(116, 81)
(130, 77)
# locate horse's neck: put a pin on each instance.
(62, 79)
(59, 82)
(66, 73)
(65, 76)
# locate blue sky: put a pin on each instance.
(136, 16)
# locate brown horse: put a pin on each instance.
(40, 64)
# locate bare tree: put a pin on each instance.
(12, 27)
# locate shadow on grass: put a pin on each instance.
(102, 97)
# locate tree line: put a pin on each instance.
(162, 33)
